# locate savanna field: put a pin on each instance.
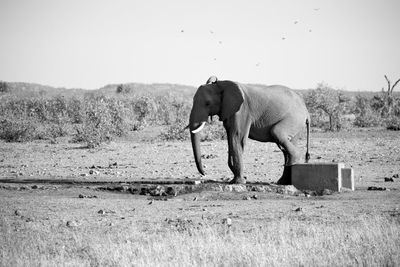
(72, 161)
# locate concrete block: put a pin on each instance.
(317, 176)
(348, 178)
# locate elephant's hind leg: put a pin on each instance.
(289, 150)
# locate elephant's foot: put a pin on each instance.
(286, 176)
(238, 180)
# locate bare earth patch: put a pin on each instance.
(54, 209)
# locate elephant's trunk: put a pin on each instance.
(195, 138)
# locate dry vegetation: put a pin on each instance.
(94, 117)
(366, 241)
(56, 228)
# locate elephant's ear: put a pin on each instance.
(232, 98)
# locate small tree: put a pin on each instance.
(330, 101)
(365, 115)
(385, 102)
(390, 88)
(123, 89)
(4, 88)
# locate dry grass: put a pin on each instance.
(367, 241)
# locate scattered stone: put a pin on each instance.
(254, 197)
(238, 188)
(195, 199)
(34, 187)
(87, 196)
(29, 219)
(102, 212)
(227, 221)
(171, 191)
(288, 190)
(387, 179)
(298, 209)
(151, 202)
(376, 188)
(325, 192)
(17, 212)
(227, 188)
(157, 191)
(93, 172)
(72, 224)
(396, 176)
(122, 188)
(209, 156)
(246, 198)
(83, 174)
(113, 165)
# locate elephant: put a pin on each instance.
(274, 114)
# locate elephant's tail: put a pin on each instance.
(308, 140)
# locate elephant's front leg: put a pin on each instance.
(237, 137)
(235, 159)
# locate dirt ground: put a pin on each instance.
(28, 170)
(374, 155)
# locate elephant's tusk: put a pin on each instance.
(199, 128)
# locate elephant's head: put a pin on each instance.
(222, 98)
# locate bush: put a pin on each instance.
(180, 132)
(365, 115)
(75, 110)
(170, 109)
(393, 123)
(176, 132)
(23, 130)
(214, 131)
(4, 88)
(16, 130)
(103, 118)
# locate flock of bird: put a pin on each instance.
(283, 38)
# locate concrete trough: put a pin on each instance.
(319, 176)
(348, 178)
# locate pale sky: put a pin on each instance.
(349, 44)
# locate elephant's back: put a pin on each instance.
(277, 91)
(276, 97)
(273, 104)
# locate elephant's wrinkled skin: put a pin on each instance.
(263, 113)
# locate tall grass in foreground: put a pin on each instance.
(370, 241)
